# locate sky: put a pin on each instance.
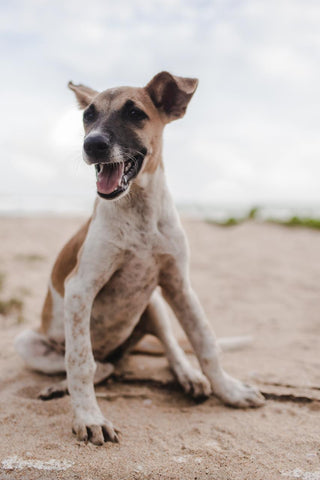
(251, 132)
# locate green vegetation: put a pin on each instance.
(31, 257)
(12, 305)
(24, 291)
(252, 213)
(2, 279)
(298, 222)
(295, 221)
(232, 221)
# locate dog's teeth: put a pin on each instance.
(128, 166)
(99, 168)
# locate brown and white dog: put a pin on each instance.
(103, 293)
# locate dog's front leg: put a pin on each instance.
(184, 302)
(80, 291)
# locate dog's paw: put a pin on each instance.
(57, 390)
(193, 381)
(237, 394)
(96, 433)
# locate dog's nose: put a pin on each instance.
(96, 146)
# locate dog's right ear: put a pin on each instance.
(171, 94)
(84, 94)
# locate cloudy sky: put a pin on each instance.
(251, 134)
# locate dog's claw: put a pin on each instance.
(110, 433)
(96, 434)
(82, 433)
(193, 382)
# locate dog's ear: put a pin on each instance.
(84, 94)
(171, 94)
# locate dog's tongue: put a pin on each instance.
(109, 177)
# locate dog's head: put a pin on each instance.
(123, 128)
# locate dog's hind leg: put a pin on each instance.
(56, 390)
(158, 323)
(59, 389)
(42, 355)
(38, 353)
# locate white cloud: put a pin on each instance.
(252, 130)
(67, 133)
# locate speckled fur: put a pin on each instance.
(132, 247)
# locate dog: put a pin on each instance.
(112, 281)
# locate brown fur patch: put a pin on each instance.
(152, 164)
(68, 258)
(46, 314)
(66, 262)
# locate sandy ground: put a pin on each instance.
(254, 279)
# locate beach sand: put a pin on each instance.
(256, 279)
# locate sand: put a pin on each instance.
(256, 279)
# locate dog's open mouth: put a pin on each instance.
(114, 178)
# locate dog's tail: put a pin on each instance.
(150, 345)
(228, 344)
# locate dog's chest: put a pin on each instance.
(143, 240)
(121, 302)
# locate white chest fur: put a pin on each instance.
(127, 244)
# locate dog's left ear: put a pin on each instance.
(84, 94)
(171, 94)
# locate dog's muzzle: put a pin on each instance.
(114, 178)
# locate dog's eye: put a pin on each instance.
(90, 114)
(136, 114)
